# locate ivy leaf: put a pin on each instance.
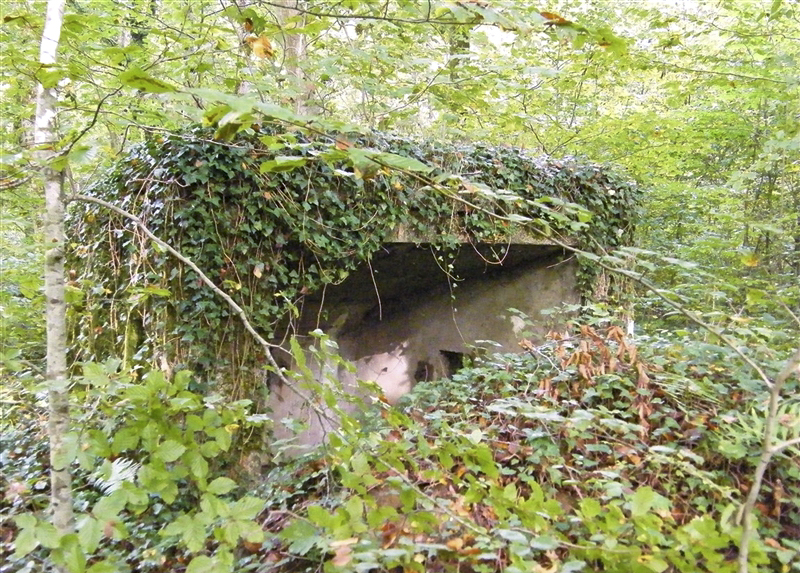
(137, 79)
(282, 163)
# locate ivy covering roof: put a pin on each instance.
(274, 215)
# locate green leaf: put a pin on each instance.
(360, 464)
(68, 451)
(202, 564)
(251, 531)
(248, 507)
(301, 535)
(590, 508)
(191, 531)
(108, 508)
(48, 535)
(25, 521)
(320, 516)
(73, 555)
(90, 533)
(137, 79)
(197, 464)
(25, 542)
(513, 536)
(125, 439)
(224, 438)
(643, 500)
(103, 566)
(402, 162)
(544, 542)
(654, 563)
(169, 451)
(221, 486)
(282, 163)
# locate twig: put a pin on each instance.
(768, 450)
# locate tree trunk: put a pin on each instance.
(294, 52)
(45, 138)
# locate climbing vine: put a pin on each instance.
(275, 215)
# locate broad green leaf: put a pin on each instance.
(125, 439)
(90, 533)
(642, 501)
(190, 530)
(202, 564)
(137, 79)
(221, 486)
(197, 464)
(301, 535)
(69, 450)
(48, 535)
(25, 542)
(248, 507)
(282, 163)
(108, 507)
(73, 555)
(654, 563)
(512, 536)
(544, 542)
(169, 451)
(402, 162)
(277, 112)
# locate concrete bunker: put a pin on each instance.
(403, 319)
(308, 231)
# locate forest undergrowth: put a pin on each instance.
(591, 452)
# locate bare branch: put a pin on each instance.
(745, 516)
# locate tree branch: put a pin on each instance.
(745, 515)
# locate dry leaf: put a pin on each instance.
(260, 46)
(555, 19)
(773, 543)
(343, 553)
(342, 556)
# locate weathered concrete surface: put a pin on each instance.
(404, 319)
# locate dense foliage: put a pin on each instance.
(595, 452)
(589, 453)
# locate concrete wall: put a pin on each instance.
(403, 321)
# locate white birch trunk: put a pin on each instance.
(45, 138)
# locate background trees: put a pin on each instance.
(697, 101)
